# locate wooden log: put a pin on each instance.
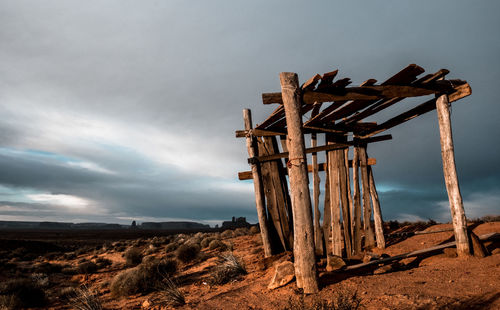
(367, 212)
(333, 173)
(247, 175)
(259, 190)
(451, 178)
(485, 237)
(318, 234)
(356, 212)
(346, 216)
(377, 213)
(305, 260)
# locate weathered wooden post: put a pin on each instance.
(305, 260)
(333, 174)
(450, 177)
(349, 196)
(346, 216)
(318, 234)
(257, 183)
(356, 212)
(377, 213)
(367, 210)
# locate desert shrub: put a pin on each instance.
(187, 252)
(70, 255)
(103, 262)
(40, 279)
(69, 271)
(83, 250)
(66, 293)
(241, 232)
(193, 240)
(229, 268)
(143, 278)
(84, 299)
(171, 247)
(53, 255)
(217, 244)
(170, 293)
(10, 302)
(342, 300)
(133, 257)
(254, 229)
(226, 234)
(205, 242)
(156, 242)
(48, 268)
(490, 218)
(23, 293)
(86, 267)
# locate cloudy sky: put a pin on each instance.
(120, 110)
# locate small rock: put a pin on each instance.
(450, 252)
(334, 262)
(477, 246)
(146, 304)
(495, 251)
(283, 274)
(386, 268)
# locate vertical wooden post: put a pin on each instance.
(377, 213)
(305, 260)
(257, 183)
(349, 196)
(318, 235)
(450, 177)
(357, 203)
(367, 210)
(333, 174)
(346, 216)
(327, 215)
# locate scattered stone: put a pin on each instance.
(477, 246)
(334, 262)
(283, 274)
(450, 252)
(387, 268)
(495, 251)
(270, 261)
(370, 256)
(146, 304)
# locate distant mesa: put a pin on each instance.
(236, 223)
(173, 225)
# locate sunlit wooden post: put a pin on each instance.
(450, 177)
(377, 212)
(305, 260)
(258, 187)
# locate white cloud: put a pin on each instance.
(63, 200)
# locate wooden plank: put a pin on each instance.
(383, 104)
(377, 212)
(311, 83)
(461, 92)
(451, 178)
(258, 187)
(274, 194)
(367, 210)
(327, 79)
(333, 173)
(318, 234)
(327, 147)
(247, 175)
(303, 250)
(344, 199)
(327, 218)
(349, 196)
(485, 237)
(356, 212)
(257, 133)
(276, 115)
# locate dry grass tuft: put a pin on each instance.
(84, 299)
(187, 252)
(230, 268)
(133, 257)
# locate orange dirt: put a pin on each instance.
(434, 282)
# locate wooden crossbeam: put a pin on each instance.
(247, 175)
(257, 133)
(461, 91)
(328, 147)
(356, 93)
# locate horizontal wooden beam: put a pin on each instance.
(257, 133)
(328, 147)
(247, 175)
(461, 91)
(356, 93)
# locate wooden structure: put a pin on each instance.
(352, 218)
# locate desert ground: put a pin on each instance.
(227, 270)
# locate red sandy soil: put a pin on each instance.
(433, 282)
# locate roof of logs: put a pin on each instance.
(339, 109)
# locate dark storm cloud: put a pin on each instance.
(145, 96)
